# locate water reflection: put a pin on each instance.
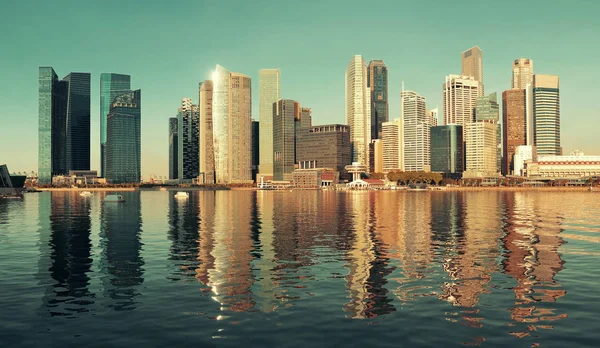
(184, 219)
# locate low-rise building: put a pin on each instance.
(552, 166)
(315, 177)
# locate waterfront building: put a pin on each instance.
(268, 93)
(232, 128)
(315, 178)
(393, 146)
(188, 124)
(481, 144)
(546, 114)
(523, 153)
(325, 146)
(460, 98)
(255, 149)
(488, 110)
(10, 185)
(514, 126)
(173, 149)
(376, 152)
(284, 138)
(415, 132)
(207, 154)
(433, 117)
(557, 166)
(358, 109)
(377, 82)
(123, 139)
(78, 121)
(522, 73)
(111, 86)
(472, 65)
(447, 149)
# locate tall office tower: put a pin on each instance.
(481, 149)
(522, 73)
(78, 121)
(325, 146)
(514, 126)
(268, 93)
(284, 138)
(52, 125)
(188, 124)
(393, 145)
(460, 97)
(416, 132)
(207, 153)
(123, 139)
(447, 150)
(472, 65)
(173, 149)
(546, 114)
(255, 148)
(232, 133)
(488, 110)
(377, 81)
(358, 110)
(111, 86)
(377, 155)
(432, 116)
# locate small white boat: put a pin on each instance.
(114, 198)
(182, 195)
(85, 194)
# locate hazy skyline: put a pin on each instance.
(169, 48)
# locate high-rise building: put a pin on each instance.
(447, 149)
(472, 65)
(255, 148)
(325, 146)
(393, 146)
(268, 93)
(546, 114)
(52, 126)
(111, 86)
(432, 115)
(460, 97)
(207, 153)
(377, 151)
(123, 139)
(416, 132)
(78, 121)
(284, 138)
(481, 149)
(173, 149)
(522, 73)
(232, 123)
(377, 82)
(488, 110)
(514, 119)
(358, 109)
(188, 123)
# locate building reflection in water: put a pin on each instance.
(66, 253)
(184, 219)
(121, 262)
(532, 238)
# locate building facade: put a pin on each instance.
(285, 114)
(522, 73)
(393, 146)
(358, 109)
(447, 149)
(433, 117)
(255, 148)
(325, 146)
(546, 114)
(188, 131)
(207, 154)
(481, 144)
(78, 121)
(472, 65)
(514, 129)
(415, 132)
(111, 86)
(523, 153)
(377, 82)
(555, 166)
(173, 149)
(376, 150)
(123, 139)
(460, 98)
(268, 93)
(488, 110)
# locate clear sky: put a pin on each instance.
(169, 46)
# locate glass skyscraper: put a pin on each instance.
(377, 81)
(268, 93)
(188, 123)
(284, 138)
(111, 86)
(123, 139)
(447, 149)
(78, 121)
(173, 149)
(488, 110)
(546, 114)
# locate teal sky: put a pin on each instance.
(168, 47)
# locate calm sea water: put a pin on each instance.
(302, 268)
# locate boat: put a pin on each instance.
(85, 194)
(114, 198)
(182, 195)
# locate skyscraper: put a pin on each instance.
(173, 149)
(232, 118)
(472, 65)
(52, 126)
(325, 146)
(480, 138)
(377, 82)
(268, 93)
(460, 97)
(447, 150)
(188, 124)
(393, 145)
(78, 121)
(255, 148)
(123, 139)
(416, 132)
(488, 110)
(513, 126)
(207, 153)
(284, 138)
(111, 85)
(358, 109)
(433, 117)
(522, 73)
(546, 114)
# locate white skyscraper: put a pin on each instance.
(393, 145)
(522, 73)
(268, 93)
(460, 98)
(207, 153)
(358, 109)
(416, 132)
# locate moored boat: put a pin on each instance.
(85, 194)
(114, 198)
(182, 195)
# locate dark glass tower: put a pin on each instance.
(123, 139)
(111, 86)
(188, 124)
(173, 149)
(255, 148)
(447, 150)
(78, 121)
(284, 142)
(377, 81)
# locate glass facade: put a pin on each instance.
(488, 110)
(188, 122)
(207, 153)
(123, 139)
(378, 83)
(268, 93)
(221, 124)
(284, 139)
(447, 149)
(173, 149)
(111, 86)
(326, 146)
(358, 109)
(546, 115)
(255, 148)
(78, 121)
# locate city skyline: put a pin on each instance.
(163, 90)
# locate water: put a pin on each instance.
(302, 268)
